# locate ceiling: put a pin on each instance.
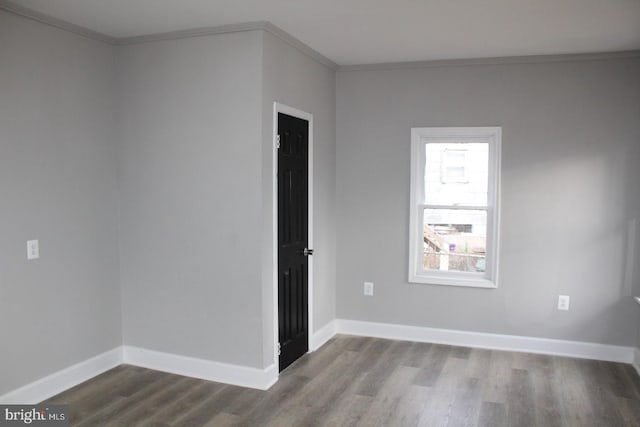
(374, 31)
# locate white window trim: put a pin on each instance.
(488, 279)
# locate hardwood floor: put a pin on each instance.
(354, 381)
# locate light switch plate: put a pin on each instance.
(33, 249)
(368, 288)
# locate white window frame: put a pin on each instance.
(419, 138)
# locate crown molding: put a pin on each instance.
(11, 7)
(233, 28)
(193, 32)
(530, 59)
(301, 46)
(43, 18)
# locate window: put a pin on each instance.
(454, 165)
(455, 176)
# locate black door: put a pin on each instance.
(293, 215)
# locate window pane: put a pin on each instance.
(456, 174)
(454, 240)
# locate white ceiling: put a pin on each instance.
(373, 31)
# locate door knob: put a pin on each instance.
(307, 252)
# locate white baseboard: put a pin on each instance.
(200, 368)
(323, 335)
(60, 381)
(554, 347)
(263, 379)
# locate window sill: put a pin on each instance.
(467, 282)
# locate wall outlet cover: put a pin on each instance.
(33, 249)
(563, 302)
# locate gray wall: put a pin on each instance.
(190, 194)
(58, 185)
(295, 79)
(637, 318)
(570, 182)
(186, 127)
(636, 276)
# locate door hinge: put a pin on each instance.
(279, 349)
(277, 141)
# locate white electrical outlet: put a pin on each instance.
(368, 288)
(563, 302)
(33, 249)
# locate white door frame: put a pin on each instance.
(282, 108)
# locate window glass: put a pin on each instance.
(455, 240)
(456, 174)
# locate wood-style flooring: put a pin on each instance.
(355, 381)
